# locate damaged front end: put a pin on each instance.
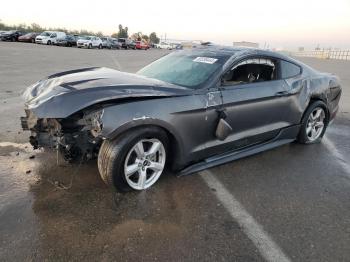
(76, 137)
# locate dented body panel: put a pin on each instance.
(79, 89)
(93, 104)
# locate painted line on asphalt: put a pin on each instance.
(115, 61)
(338, 156)
(255, 232)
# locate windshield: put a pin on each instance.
(45, 33)
(86, 37)
(184, 68)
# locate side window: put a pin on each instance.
(289, 69)
(250, 71)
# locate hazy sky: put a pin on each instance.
(282, 24)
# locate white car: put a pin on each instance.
(89, 42)
(49, 37)
(164, 45)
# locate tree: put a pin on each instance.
(99, 34)
(36, 28)
(153, 38)
(145, 37)
(123, 32)
(135, 36)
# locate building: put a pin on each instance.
(246, 44)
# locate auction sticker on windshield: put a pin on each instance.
(207, 60)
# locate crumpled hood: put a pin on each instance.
(63, 94)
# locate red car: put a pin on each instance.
(30, 37)
(141, 45)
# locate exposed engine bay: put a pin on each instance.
(76, 137)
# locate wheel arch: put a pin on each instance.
(175, 142)
(313, 100)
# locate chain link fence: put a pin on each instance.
(326, 54)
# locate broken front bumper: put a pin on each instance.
(40, 136)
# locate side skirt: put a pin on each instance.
(285, 136)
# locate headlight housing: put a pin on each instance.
(94, 120)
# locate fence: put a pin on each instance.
(326, 54)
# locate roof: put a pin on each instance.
(238, 51)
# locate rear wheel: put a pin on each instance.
(135, 160)
(314, 124)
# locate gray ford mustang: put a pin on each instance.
(187, 111)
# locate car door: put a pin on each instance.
(254, 101)
(53, 38)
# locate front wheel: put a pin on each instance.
(314, 124)
(135, 160)
(49, 42)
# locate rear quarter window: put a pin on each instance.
(289, 70)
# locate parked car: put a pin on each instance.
(89, 42)
(29, 37)
(68, 40)
(141, 45)
(124, 42)
(116, 44)
(164, 45)
(178, 47)
(106, 42)
(132, 44)
(188, 111)
(11, 35)
(49, 37)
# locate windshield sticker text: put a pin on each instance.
(207, 60)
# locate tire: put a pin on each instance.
(310, 132)
(49, 42)
(114, 155)
(100, 46)
(90, 46)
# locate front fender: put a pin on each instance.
(118, 119)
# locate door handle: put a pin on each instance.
(282, 93)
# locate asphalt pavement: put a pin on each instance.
(291, 203)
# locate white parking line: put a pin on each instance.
(115, 61)
(338, 156)
(267, 247)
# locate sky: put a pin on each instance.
(278, 24)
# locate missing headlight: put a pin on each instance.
(95, 120)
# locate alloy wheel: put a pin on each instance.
(144, 163)
(315, 124)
